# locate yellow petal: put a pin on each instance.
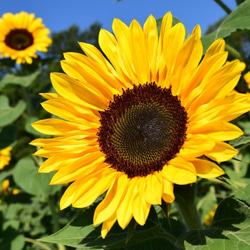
(190, 149)
(153, 189)
(94, 185)
(141, 207)
(186, 63)
(221, 152)
(207, 169)
(124, 211)
(179, 172)
(140, 58)
(107, 225)
(53, 126)
(221, 131)
(112, 200)
(151, 43)
(71, 89)
(168, 191)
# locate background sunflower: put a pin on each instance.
(22, 36)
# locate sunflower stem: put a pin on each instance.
(223, 6)
(185, 200)
(54, 214)
(234, 52)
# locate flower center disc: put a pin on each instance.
(142, 130)
(19, 39)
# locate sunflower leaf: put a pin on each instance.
(244, 140)
(11, 239)
(237, 20)
(230, 228)
(81, 234)
(7, 136)
(26, 176)
(24, 81)
(10, 114)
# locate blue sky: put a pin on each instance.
(60, 14)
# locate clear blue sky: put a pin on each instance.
(60, 14)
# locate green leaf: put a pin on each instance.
(24, 81)
(243, 140)
(7, 136)
(81, 234)
(10, 114)
(237, 20)
(230, 228)
(243, 194)
(26, 176)
(11, 240)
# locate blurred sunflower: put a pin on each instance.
(21, 36)
(151, 115)
(5, 157)
(247, 79)
(210, 216)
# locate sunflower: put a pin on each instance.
(21, 36)
(5, 157)
(210, 216)
(247, 79)
(147, 115)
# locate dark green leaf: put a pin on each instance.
(80, 233)
(26, 176)
(243, 140)
(9, 114)
(230, 229)
(24, 81)
(11, 240)
(7, 136)
(237, 20)
(243, 194)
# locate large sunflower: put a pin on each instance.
(149, 116)
(21, 36)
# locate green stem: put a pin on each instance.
(223, 6)
(26, 96)
(54, 214)
(43, 246)
(234, 52)
(165, 208)
(185, 200)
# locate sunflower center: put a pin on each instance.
(142, 129)
(19, 39)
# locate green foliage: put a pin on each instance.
(30, 217)
(237, 20)
(80, 233)
(67, 40)
(7, 136)
(26, 176)
(230, 228)
(10, 114)
(24, 81)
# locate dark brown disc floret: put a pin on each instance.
(19, 39)
(142, 129)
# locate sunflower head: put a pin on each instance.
(151, 113)
(21, 36)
